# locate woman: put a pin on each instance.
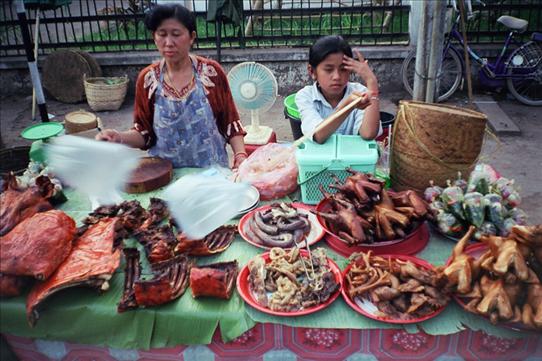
(330, 65)
(184, 110)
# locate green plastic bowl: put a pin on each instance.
(290, 107)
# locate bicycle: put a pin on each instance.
(522, 70)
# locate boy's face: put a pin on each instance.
(331, 75)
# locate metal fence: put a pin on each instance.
(117, 25)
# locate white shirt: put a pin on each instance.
(314, 108)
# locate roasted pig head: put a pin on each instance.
(37, 245)
(213, 280)
(215, 242)
(91, 262)
(18, 204)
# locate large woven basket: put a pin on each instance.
(105, 93)
(433, 142)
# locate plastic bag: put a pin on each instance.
(452, 197)
(272, 169)
(449, 224)
(200, 203)
(474, 208)
(98, 169)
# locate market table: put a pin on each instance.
(78, 317)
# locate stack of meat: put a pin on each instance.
(44, 244)
(25, 254)
(362, 211)
(503, 282)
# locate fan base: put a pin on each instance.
(259, 136)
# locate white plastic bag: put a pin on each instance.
(97, 169)
(272, 169)
(200, 203)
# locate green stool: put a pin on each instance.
(292, 114)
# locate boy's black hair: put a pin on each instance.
(158, 13)
(326, 45)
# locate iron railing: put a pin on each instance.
(117, 25)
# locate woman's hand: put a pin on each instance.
(109, 135)
(361, 68)
(239, 158)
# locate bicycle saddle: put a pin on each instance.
(513, 23)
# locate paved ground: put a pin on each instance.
(517, 157)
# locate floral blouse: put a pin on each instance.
(216, 87)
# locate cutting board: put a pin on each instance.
(150, 174)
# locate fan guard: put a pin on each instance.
(254, 87)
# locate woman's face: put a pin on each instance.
(173, 39)
(331, 75)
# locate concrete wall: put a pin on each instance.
(288, 64)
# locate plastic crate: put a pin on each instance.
(318, 163)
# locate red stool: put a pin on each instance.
(252, 147)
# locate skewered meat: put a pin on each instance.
(169, 282)
(215, 242)
(295, 281)
(91, 262)
(11, 286)
(37, 245)
(18, 205)
(214, 280)
(158, 211)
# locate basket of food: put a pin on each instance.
(105, 93)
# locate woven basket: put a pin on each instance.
(433, 142)
(104, 96)
(14, 160)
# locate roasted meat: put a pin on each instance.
(37, 245)
(159, 242)
(215, 242)
(169, 282)
(11, 286)
(91, 262)
(213, 280)
(17, 204)
(132, 271)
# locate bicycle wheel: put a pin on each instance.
(448, 76)
(526, 61)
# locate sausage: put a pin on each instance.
(284, 225)
(282, 240)
(267, 228)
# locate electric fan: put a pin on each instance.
(254, 88)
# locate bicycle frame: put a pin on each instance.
(493, 74)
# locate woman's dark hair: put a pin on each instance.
(326, 45)
(159, 13)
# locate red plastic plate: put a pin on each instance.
(476, 251)
(368, 309)
(246, 294)
(316, 233)
(413, 242)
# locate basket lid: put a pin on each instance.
(42, 130)
(80, 117)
